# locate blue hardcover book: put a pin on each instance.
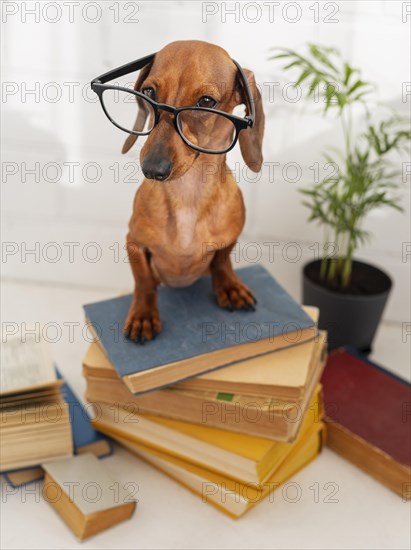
(198, 336)
(85, 439)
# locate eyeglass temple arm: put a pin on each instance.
(124, 69)
(249, 95)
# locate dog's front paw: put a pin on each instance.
(233, 294)
(142, 327)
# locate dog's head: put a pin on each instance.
(193, 73)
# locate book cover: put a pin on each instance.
(194, 326)
(368, 410)
(84, 435)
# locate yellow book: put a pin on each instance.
(229, 495)
(241, 456)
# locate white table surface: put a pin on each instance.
(366, 514)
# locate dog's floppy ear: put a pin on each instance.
(142, 113)
(251, 139)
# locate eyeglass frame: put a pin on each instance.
(98, 85)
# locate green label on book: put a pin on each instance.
(225, 396)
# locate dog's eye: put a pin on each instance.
(149, 92)
(206, 101)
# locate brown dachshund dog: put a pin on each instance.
(188, 199)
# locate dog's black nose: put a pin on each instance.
(156, 169)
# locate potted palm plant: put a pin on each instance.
(351, 294)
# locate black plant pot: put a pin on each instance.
(351, 318)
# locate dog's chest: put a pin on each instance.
(186, 228)
(181, 261)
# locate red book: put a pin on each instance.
(368, 414)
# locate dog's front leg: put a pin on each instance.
(230, 291)
(143, 320)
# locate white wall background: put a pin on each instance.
(59, 132)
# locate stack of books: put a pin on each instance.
(35, 421)
(42, 424)
(227, 403)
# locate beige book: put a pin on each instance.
(161, 376)
(34, 418)
(30, 397)
(283, 373)
(33, 435)
(86, 496)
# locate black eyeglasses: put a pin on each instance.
(202, 128)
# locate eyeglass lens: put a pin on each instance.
(204, 129)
